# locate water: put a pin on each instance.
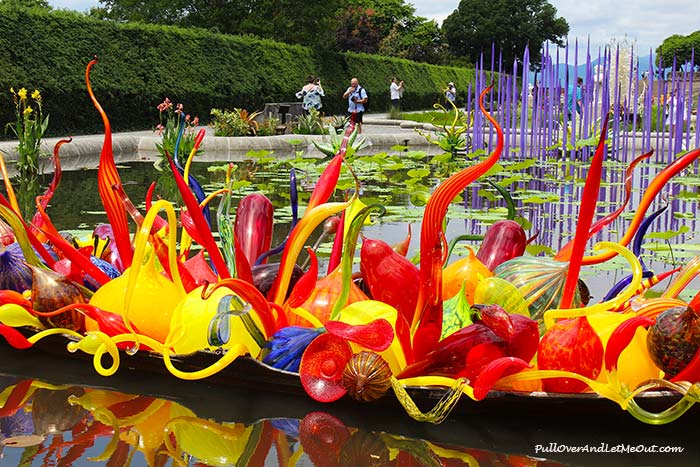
(223, 425)
(134, 419)
(546, 194)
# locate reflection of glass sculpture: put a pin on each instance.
(17, 431)
(169, 301)
(116, 428)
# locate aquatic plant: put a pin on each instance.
(332, 146)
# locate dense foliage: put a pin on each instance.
(389, 27)
(680, 47)
(290, 21)
(142, 64)
(509, 25)
(352, 25)
(25, 4)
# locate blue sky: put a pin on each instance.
(643, 22)
(646, 22)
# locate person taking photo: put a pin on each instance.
(357, 97)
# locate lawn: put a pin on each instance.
(436, 117)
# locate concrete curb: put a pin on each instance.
(381, 135)
(84, 151)
(405, 124)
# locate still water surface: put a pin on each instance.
(163, 422)
(547, 196)
(140, 419)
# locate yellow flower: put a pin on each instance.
(22, 93)
(12, 90)
(36, 95)
(28, 110)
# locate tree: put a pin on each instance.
(26, 4)
(346, 25)
(291, 21)
(682, 48)
(510, 25)
(154, 11)
(421, 42)
(363, 25)
(357, 31)
(386, 14)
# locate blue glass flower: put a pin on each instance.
(290, 426)
(285, 348)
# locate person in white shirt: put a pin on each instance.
(451, 92)
(672, 110)
(395, 92)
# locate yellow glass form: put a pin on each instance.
(189, 323)
(152, 303)
(367, 311)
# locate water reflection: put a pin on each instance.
(546, 194)
(45, 424)
(58, 413)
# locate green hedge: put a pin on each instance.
(139, 65)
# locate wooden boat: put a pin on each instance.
(506, 423)
(247, 373)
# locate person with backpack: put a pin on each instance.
(357, 100)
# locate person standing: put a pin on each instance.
(395, 92)
(574, 98)
(535, 92)
(451, 92)
(311, 94)
(357, 97)
(675, 112)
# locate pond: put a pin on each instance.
(546, 194)
(225, 425)
(139, 419)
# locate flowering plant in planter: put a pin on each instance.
(29, 129)
(172, 122)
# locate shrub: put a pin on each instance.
(238, 122)
(268, 127)
(139, 66)
(309, 124)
